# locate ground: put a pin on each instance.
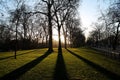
(71, 64)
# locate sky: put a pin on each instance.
(89, 11)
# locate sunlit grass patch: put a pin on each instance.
(72, 64)
(10, 64)
(43, 70)
(80, 70)
(91, 55)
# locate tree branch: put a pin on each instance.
(32, 13)
(45, 1)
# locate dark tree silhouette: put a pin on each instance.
(16, 19)
(114, 15)
(31, 26)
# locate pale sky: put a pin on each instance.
(89, 11)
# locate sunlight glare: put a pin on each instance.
(55, 36)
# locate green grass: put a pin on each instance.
(72, 64)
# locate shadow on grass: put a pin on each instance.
(18, 72)
(60, 69)
(99, 68)
(17, 55)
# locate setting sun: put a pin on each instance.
(55, 36)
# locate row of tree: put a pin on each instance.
(25, 27)
(106, 31)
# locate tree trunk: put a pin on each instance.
(71, 41)
(24, 39)
(59, 46)
(46, 40)
(43, 40)
(50, 46)
(115, 43)
(65, 38)
(65, 35)
(16, 40)
(65, 42)
(116, 38)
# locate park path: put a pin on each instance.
(114, 54)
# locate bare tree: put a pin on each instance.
(114, 15)
(16, 15)
(63, 10)
(47, 4)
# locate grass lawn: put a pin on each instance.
(72, 64)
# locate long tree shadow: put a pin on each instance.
(99, 68)
(17, 55)
(60, 69)
(18, 72)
